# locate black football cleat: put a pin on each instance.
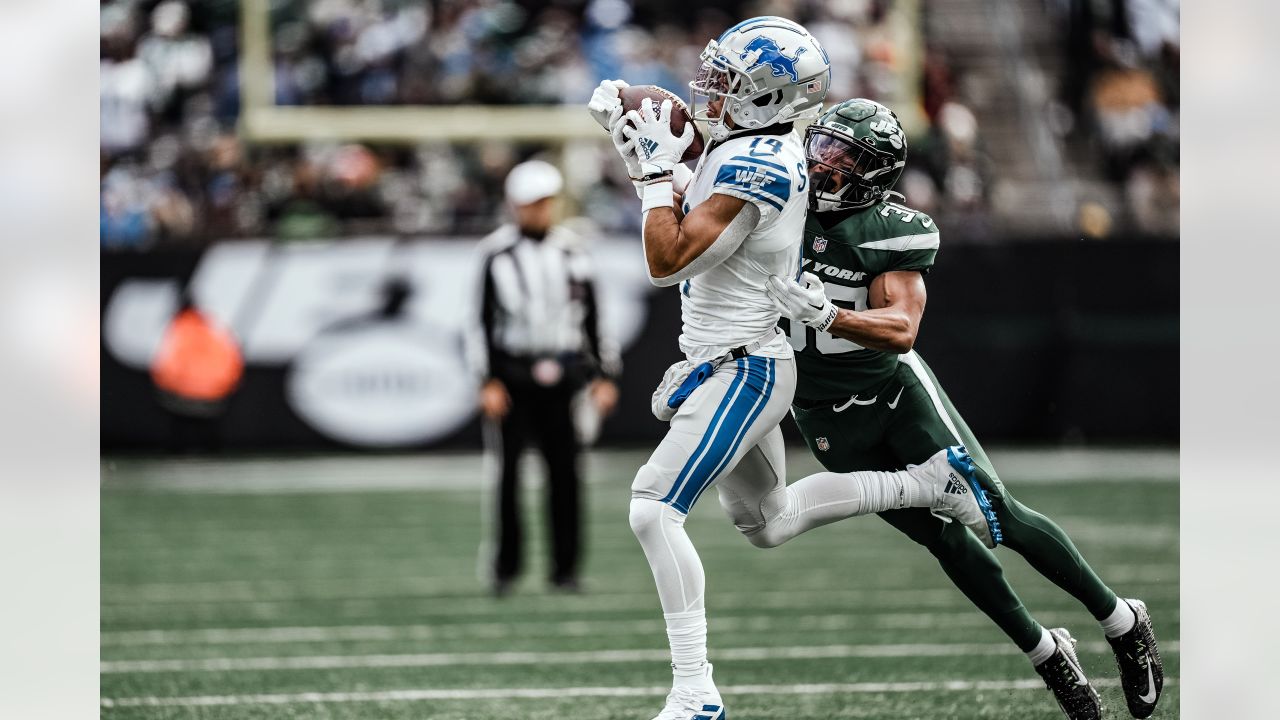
(1065, 678)
(1141, 672)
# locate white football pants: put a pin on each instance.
(727, 433)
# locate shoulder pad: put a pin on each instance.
(898, 227)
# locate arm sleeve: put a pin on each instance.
(480, 341)
(730, 239)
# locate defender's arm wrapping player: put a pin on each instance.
(740, 220)
(866, 400)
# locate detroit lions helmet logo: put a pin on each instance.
(765, 51)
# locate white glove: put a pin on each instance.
(805, 301)
(605, 106)
(626, 148)
(681, 176)
(672, 379)
(658, 149)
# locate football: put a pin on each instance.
(632, 97)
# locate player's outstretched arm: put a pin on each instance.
(678, 248)
(896, 301)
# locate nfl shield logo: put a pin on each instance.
(819, 244)
(823, 444)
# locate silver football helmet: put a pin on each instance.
(768, 70)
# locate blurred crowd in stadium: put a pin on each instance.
(175, 173)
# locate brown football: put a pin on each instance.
(632, 97)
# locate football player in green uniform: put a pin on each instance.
(866, 401)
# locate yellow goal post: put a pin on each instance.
(262, 121)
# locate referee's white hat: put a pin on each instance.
(532, 181)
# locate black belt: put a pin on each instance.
(744, 350)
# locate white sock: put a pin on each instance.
(678, 573)
(1043, 649)
(814, 501)
(884, 490)
(1120, 621)
(688, 635)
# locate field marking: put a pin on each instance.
(595, 603)
(562, 628)
(571, 657)
(454, 472)
(427, 591)
(353, 609)
(429, 586)
(580, 692)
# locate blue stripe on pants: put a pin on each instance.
(726, 438)
(771, 380)
(707, 436)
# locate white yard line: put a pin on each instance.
(573, 657)
(464, 471)
(567, 628)
(431, 586)
(597, 603)
(580, 692)
(353, 609)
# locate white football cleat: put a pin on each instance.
(693, 703)
(960, 496)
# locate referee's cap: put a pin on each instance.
(532, 181)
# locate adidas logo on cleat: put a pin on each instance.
(954, 486)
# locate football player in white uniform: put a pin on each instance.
(719, 233)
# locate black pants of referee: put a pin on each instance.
(543, 415)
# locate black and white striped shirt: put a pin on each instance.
(539, 300)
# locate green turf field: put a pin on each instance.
(346, 587)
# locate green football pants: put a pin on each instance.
(905, 422)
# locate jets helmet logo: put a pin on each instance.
(890, 130)
(765, 51)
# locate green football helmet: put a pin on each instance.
(856, 152)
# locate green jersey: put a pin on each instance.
(847, 252)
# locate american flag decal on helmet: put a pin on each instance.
(813, 87)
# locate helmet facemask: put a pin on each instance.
(715, 80)
(846, 173)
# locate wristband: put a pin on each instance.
(658, 194)
(681, 175)
(828, 318)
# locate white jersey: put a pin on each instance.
(727, 306)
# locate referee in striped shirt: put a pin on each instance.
(541, 347)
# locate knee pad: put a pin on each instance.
(646, 516)
(750, 521)
(744, 517)
(762, 538)
(651, 482)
